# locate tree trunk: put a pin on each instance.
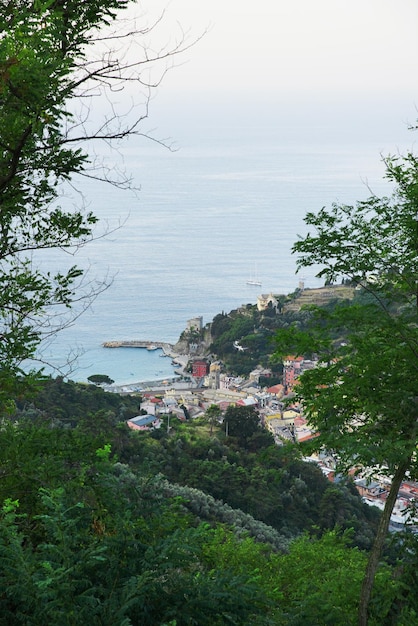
(382, 531)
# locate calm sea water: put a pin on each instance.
(206, 218)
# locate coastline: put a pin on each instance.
(162, 384)
(155, 386)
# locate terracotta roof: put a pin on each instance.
(275, 389)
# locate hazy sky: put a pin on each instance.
(298, 45)
(348, 59)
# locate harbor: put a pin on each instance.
(179, 363)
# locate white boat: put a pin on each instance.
(254, 280)
(152, 348)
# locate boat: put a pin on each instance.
(254, 280)
(151, 347)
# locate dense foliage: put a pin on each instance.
(68, 404)
(243, 470)
(57, 57)
(83, 540)
(171, 530)
(41, 52)
(271, 483)
(362, 399)
(255, 331)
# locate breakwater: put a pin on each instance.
(134, 343)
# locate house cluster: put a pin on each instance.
(282, 416)
(210, 376)
(285, 421)
(374, 491)
(293, 367)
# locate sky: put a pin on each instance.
(352, 56)
(298, 45)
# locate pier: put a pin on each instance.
(134, 343)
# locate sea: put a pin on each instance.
(206, 216)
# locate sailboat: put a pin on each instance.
(254, 280)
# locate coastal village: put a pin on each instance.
(201, 382)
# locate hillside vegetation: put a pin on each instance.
(256, 330)
(104, 524)
(318, 297)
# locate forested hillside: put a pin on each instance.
(101, 523)
(255, 330)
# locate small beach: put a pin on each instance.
(179, 362)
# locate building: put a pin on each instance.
(199, 368)
(196, 323)
(368, 488)
(255, 375)
(249, 401)
(266, 301)
(292, 368)
(143, 422)
(213, 379)
(276, 390)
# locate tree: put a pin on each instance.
(84, 539)
(241, 421)
(362, 399)
(213, 413)
(320, 581)
(100, 379)
(56, 56)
